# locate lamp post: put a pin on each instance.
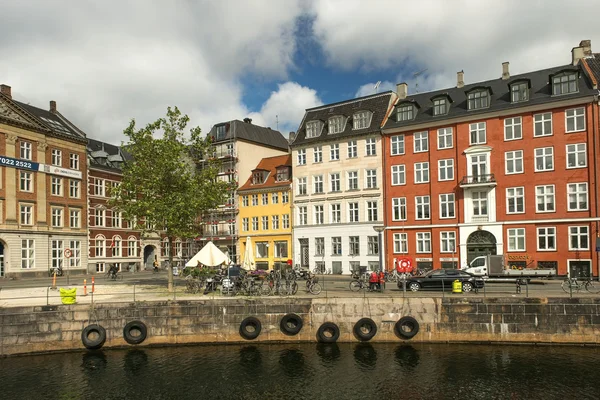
(379, 229)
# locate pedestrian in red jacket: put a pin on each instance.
(373, 280)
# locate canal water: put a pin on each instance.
(308, 371)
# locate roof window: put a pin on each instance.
(405, 112)
(564, 83)
(362, 119)
(313, 129)
(478, 98)
(336, 124)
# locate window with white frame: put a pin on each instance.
(421, 172)
(275, 198)
(74, 189)
(335, 182)
(478, 99)
(56, 186)
(100, 217)
(362, 120)
(275, 222)
(56, 157)
(397, 145)
(405, 112)
(26, 214)
(117, 245)
(100, 267)
(318, 184)
(75, 259)
(336, 125)
(352, 180)
(26, 181)
(336, 213)
(255, 199)
(479, 166)
(519, 91)
(575, 119)
(99, 187)
(100, 246)
(245, 201)
(515, 200)
(262, 249)
(477, 133)
(371, 178)
(25, 151)
(302, 215)
(513, 128)
(245, 224)
(544, 159)
(564, 83)
(132, 247)
(319, 246)
(75, 218)
(372, 211)
(117, 219)
(57, 217)
(398, 175)
(399, 209)
(318, 154)
(255, 223)
(400, 243)
(422, 207)
(372, 245)
(281, 249)
(546, 239)
(354, 246)
(301, 157)
(447, 205)
(353, 215)
(265, 199)
(57, 254)
(74, 161)
(544, 198)
(319, 215)
(444, 138)
(336, 246)
(440, 106)
(516, 239)
(334, 152)
(423, 242)
(27, 253)
(446, 170)
(352, 149)
(514, 162)
(576, 155)
(480, 203)
(313, 129)
(285, 197)
(542, 124)
(301, 186)
(578, 196)
(370, 147)
(264, 222)
(448, 242)
(579, 238)
(421, 142)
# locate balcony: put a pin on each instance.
(478, 180)
(220, 154)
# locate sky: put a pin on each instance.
(106, 63)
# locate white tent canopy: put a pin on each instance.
(248, 263)
(209, 255)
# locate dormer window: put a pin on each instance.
(479, 98)
(519, 92)
(564, 83)
(313, 129)
(283, 174)
(221, 132)
(440, 106)
(406, 112)
(336, 125)
(259, 177)
(362, 119)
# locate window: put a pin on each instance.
(480, 204)
(514, 162)
(26, 181)
(74, 161)
(579, 238)
(275, 222)
(319, 216)
(478, 99)
(313, 129)
(302, 186)
(100, 267)
(575, 119)
(353, 212)
(423, 242)
(405, 112)
(372, 245)
(57, 217)
(285, 221)
(576, 155)
(336, 246)
(99, 217)
(546, 238)
(56, 186)
(577, 196)
(447, 205)
(371, 178)
(245, 224)
(354, 246)
(75, 260)
(74, 191)
(245, 201)
(448, 242)
(264, 222)
(75, 218)
(285, 197)
(361, 120)
(318, 184)
(397, 145)
(334, 181)
(262, 249)
(56, 157)
(26, 151)
(334, 152)
(319, 246)
(131, 247)
(352, 149)
(301, 157)
(302, 215)
(398, 175)
(544, 198)
(477, 131)
(421, 142)
(515, 200)
(116, 246)
(446, 170)
(516, 239)
(283, 174)
(99, 187)
(400, 243)
(281, 249)
(519, 92)
(275, 198)
(370, 149)
(422, 207)
(399, 209)
(265, 199)
(26, 214)
(336, 213)
(353, 180)
(564, 83)
(513, 128)
(542, 124)
(444, 138)
(254, 223)
(117, 219)
(259, 177)
(100, 246)
(254, 199)
(27, 253)
(544, 159)
(422, 172)
(440, 106)
(336, 124)
(318, 154)
(372, 211)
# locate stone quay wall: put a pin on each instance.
(452, 319)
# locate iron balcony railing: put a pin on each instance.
(482, 179)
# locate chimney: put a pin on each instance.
(53, 106)
(505, 73)
(583, 50)
(5, 90)
(248, 120)
(460, 79)
(402, 90)
(291, 137)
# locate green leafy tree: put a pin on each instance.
(163, 190)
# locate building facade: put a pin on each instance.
(338, 196)
(506, 166)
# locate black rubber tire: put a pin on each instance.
(93, 344)
(406, 327)
(328, 327)
(137, 326)
(371, 329)
(247, 334)
(296, 326)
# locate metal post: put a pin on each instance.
(380, 251)
(134, 292)
(48, 296)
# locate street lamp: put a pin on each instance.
(379, 229)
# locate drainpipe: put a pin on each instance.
(594, 134)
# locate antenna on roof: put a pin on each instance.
(377, 86)
(416, 76)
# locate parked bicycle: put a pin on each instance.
(359, 284)
(313, 285)
(571, 285)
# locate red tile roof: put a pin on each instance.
(270, 164)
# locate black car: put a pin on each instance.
(443, 279)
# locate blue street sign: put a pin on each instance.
(21, 164)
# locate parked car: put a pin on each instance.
(442, 279)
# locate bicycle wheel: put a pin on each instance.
(265, 289)
(294, 287)
(355, 286)
(315, 289)
(591, 287)
(567, 286)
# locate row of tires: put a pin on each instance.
(93, 336)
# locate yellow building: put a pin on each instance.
(265, 216)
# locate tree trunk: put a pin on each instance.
(170, 287)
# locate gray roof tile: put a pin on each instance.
(252, 133)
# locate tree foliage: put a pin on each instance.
(162, 189)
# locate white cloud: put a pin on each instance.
(369, 88)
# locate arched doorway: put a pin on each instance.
(149, 255)
(480, 243)
(2, 272)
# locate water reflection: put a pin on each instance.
(250, 357)
(407, 357)
(93, 361)
(328, 352)
(365, 356)
(135, 361)
(291, 362)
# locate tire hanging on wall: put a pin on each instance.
(328, 333)
(406, 327)
(132, 327)
(291, 324)
(254, 324)
(98, 342)
(365, 329)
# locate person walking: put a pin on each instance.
(373, 281)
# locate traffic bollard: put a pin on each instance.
(85, 287)
(93, 283)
